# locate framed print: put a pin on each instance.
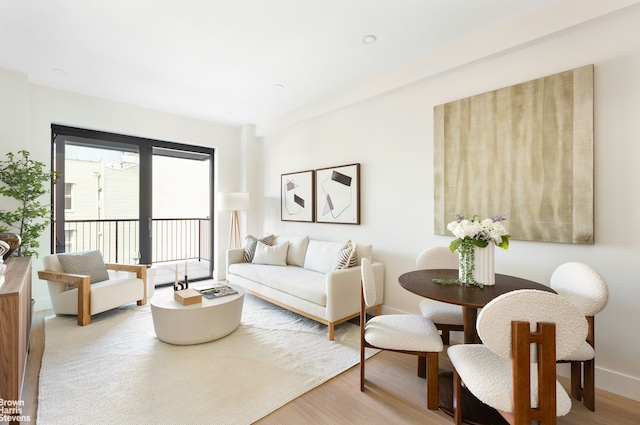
(338, 194)
(297, 196)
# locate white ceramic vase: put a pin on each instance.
(484, 270)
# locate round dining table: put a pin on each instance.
(471, 298)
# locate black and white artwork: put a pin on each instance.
(297, 196)
(338, 194)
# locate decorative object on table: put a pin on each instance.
(24, 180)
(4, 248)
(297, 196)
(535, 158)
(179, 286)
(474, 242)
(187, 296)
(234, 202)
(338, 194)
(12, 241)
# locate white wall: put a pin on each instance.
(27, 112)
(391, 136)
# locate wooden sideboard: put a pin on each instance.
(15, 325)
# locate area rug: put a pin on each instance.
(116, 370)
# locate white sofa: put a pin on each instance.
(305, 282)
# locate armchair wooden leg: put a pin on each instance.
(84, 302)
(142, 274)
(331, 331)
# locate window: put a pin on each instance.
(68, 191)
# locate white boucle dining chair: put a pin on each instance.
(447, 317)
(402, 333)
(509, 374)
(583, 286)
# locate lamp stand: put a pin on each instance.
(234, 231)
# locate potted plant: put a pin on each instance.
(25, 180)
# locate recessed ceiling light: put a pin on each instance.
(369, 39)
(59, 71)
(228, 113)
(278, 86)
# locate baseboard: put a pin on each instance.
(42, 304)
(609, 380)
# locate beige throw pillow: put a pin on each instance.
(271, 255)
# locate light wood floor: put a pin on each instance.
(393, 395)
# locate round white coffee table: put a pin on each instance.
(196, 323)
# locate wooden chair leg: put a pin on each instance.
(588, 385)
(446, 337)
(432, 381)
(422, 367)
(576, 380)
(457, 398)
(362, 369)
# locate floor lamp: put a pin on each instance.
(234, 202)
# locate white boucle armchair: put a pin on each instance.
(74, 294)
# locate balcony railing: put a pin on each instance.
(173, 238)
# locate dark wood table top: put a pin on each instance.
(421, 282)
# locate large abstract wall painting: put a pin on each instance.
(338, 194)
(297, 196)
(524, 150)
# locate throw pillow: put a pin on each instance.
(271, 255)
(297, 248)
(88, 263)
(250, 246)
(346, 257)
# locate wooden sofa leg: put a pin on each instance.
(331, 331)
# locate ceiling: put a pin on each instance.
(221, 60)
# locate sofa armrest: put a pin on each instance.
(141, 273)
(83, 282)
(343, 291)
(234, 256)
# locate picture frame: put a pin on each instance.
(297, 196)
(338, 194)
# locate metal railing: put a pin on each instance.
(173, 238)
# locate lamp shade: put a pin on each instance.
(235, 201)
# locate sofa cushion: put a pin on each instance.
(274, 255)
(299, 282)
(346, 256)
(250, 246)
(88, 263)
(321, 255)
(297, 248)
